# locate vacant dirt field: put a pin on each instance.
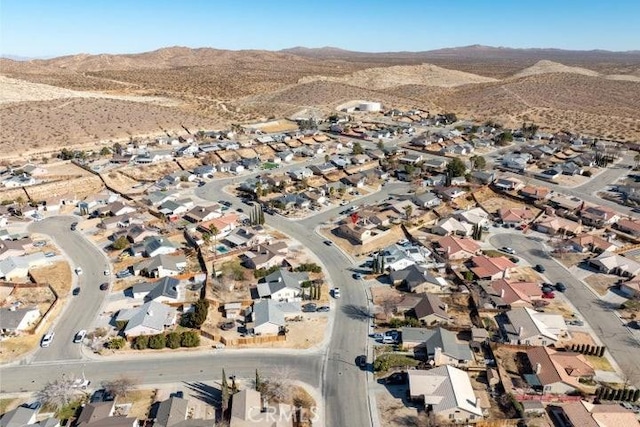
(394, 412)
(80, 187)
(58, 275)
(189, 163)
(601, 282)
(122, 183)
(151, 172)
(140, 400)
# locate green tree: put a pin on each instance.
(120, 243)
(357, 149)
(478, 162)
(173, 340)
(105, 151)
(456, 167)
(504, 138)
(226, 395)
(140, 342)
(115, 343)
(157, 342)
(408, 210)
(258, 381)
(380, 145)
(190, 339)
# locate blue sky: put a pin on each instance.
(43, 28)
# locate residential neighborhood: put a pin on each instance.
(477, 262)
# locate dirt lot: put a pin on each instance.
(580, 338)
(458, 308)
(601, 282)
(150, 172)
(123, 183)
(275, 126)
(387, 238)
(40, 296)
(600, 363)
(12, 348)
(189, 163)
(140, 400)
(571, 259)
(496, 203)
(525, 274)
(58, 275)
(393, 411)
(264, 151)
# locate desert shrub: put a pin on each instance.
(140, 342)
(173, 340)
(115, 343)
(389, 360)
(190, 339)
(157, 342)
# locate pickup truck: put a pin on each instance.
(80, 383)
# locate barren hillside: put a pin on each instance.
(400, 75)
(594, 92)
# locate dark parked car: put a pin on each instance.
(226, 326)
(309, 308)
(328, 242)
(361, 361)
(74, 225)
(104, 286)
(634, 324)
(540, 268)
(560, 287)
(101, 395)
(547, 288)
(76, 291)
(397, 378)
(323, 309)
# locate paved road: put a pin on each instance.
(82, 309)
(621, 344)
(342, 379)
(161, 369)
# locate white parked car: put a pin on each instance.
(107, 272)
(336, 292)
(78, 271)
(46, 340)
(508, 250)
(79, 336)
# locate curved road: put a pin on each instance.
(83, 308)
(334, 369)
(600, 316)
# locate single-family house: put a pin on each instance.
(282, 285)
(300, 173)
(442, 346)
(411, 158)
(152, 246)
(219, 227)
(611, 263)
(426, 200)
(15, 320)
(534, 193)
(525, 326)
(357, 180)
(590, 243)
(356, 233)
(267, 318)
(18, 267)
(456, 248)
(557, 372)
(266, 256)
(631, 288)
(248, 410)
(555, 224)
(205, 171)
(203, 213)
(102, 414)
(161, 266)
(14, 248)
(150, 318)
(475, 216)
(175, 412)
(516, 293)
(431, 310)
(491, 267)
(446, 392)
(450, 193)
(587, 414)
(19, 417)
(598, 216)
(516, 216)
(452, 226)
(417, 279)
(165, 290)
(629, 226)
(323, 168)
(435, 164)
(247, 237)
(118, 208)
(508, 184)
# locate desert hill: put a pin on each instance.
(596, 92)
(400, 75)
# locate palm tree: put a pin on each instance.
(408, 210)
(213, 231)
